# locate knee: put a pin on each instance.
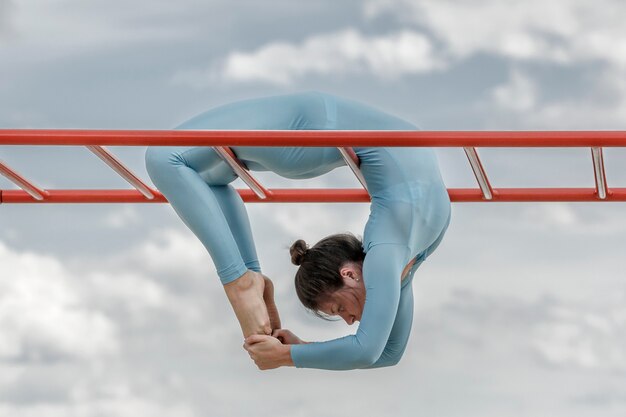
(160, 160)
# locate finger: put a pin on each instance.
(279, 335)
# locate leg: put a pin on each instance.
(197, 188)
(234, 210)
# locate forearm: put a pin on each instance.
(333, 355)
(399, 337)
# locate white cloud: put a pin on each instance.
(567, 32)
(560, 31)
(552, 216)
(318, 221)
(582, 335)
(131, 406)
(582, 338)
(55, 28)
(517, 103)
(340, 53)
(171, 252)
(42, 314)
(120, 218)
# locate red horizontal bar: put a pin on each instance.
(337, 138)
(460, 195)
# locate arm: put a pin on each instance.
(381, 271)
(400, 332)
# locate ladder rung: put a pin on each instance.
(241, 170)
(599, 173)
(479, 172)
(116, 165)
(352, 160)
(30, 188)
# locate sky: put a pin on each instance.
(116, 310)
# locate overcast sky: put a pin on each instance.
(115, 310)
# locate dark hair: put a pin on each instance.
(318, 275)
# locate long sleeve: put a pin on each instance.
(382, 267)
(399, 337)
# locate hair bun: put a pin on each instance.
(298, 251)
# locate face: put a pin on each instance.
(348, 301)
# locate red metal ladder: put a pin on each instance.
(95, 140)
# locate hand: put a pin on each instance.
(268, 297)
(286, 337)
(267, 352)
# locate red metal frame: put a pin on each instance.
(337, 138)
(597, 139)
(323, 195)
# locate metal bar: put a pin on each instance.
(241, 170)
(458, 195)
(117, 166)
(336, 138)
(599, 172)
(479, 172)
(352, 160)
(30, 188)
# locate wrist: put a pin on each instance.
(286, 356)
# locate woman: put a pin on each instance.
(368, 282)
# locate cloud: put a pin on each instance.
(559, 35)
(560, 31)
(553, 216)
(587, 338)
(174, 252)
(122, 405)
(68, 27)
(120, 218)
(597, 103)
(559, 334)
(344, 52)
(42, 315)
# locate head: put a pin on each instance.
(330, 280)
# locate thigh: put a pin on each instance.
(208, 164)
(290, 162)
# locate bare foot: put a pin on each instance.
(246, 297)
(268, 297)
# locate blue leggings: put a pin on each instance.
(196, 183)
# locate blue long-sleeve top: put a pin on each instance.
(409, 214)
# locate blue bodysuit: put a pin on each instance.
(409, 212)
